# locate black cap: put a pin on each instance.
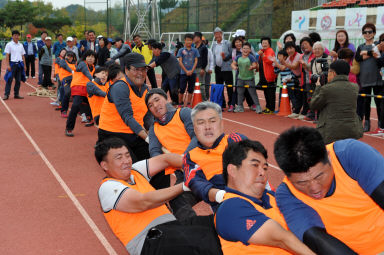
(157, 45)
(155, 91)
(134, 59)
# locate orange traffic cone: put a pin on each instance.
(285, 106)
(196, 94)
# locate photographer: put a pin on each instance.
(318, 67)
(337, 102)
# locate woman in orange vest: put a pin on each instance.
(67, 67)
(82, 75)
(96, 91)
(61, 56)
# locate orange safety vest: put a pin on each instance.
(79, 83)
(64, 73)
(173, 136)
(349, 214)
(110, 119)
(96, 102)
(234, 248)
(211, 160)
(128, 225)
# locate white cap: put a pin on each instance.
(99, 36)
(48, 38)
(239, 32)
(70, 38)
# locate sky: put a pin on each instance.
(89, 3)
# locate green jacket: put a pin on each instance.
(337, 102)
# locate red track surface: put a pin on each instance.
(38, 216)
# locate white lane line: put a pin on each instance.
(250, 126)
(65, 187)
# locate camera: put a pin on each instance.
(324, 71)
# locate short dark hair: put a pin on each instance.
(113, 71)
(44, 32)
(74, 36)
(59, 35)
(136, 35)
(157, 45)
(247, 44)
(89, 53)
(235, 153)
(91, 31)
(298, 149)
(289, 45)
(315, 37)
(100, 69)
(345, 53)
(266, 39)
(71, 53)
(188, 36)
(341, 67)
(15, 32)
(369, 25)
(237, 38)
(102, 148)
(151, 41)
(282, 52)
(289, 35)
(198, 34)
(154, 91)
(306, 39)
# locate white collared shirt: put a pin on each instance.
(16, 50)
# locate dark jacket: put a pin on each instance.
(102, 55)
(337, 103)
(34, 46)
(369, 69)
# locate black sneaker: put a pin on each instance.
(69, 133)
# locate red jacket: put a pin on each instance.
(268, 68)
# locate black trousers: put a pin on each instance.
(75, 109)
(270, 96)
(47, 71)
(365, 104)
(193, 236)
(152, 78)
(227, 78)
(137, 147)
(16, 73)
(30, 63)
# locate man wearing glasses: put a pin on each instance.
(124, 110)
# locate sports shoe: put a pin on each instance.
(238, 109)
(84, 118)
(230, 109)
(26, 77)
(253, 107)
(378, 132)
(33, 77)
(267, 111)
(64, 114)
(69, 133)
(258, 109)
(293, 115)
(89, 124)
(309, 118)
(55, 103)
(301, 117)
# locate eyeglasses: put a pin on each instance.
(367, 32)
(141, 69)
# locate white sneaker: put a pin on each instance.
(258, 109)
(84, 118)
(55, 103)
(239, 109)
(293, 116)
(26, 77)
(301, 117)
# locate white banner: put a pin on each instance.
(326, 19)
(355, 18)
(380, 17)
(300, 20)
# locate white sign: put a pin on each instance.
(300, 20)
(380, 17)
(326, 19)
(355, 18)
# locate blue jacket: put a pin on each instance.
(40, 44)
(34, 46)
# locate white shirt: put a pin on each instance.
(217, 54)
(16, 50)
